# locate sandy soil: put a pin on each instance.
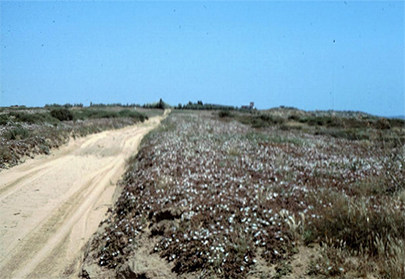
(51, 205)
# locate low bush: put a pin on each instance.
(62, 114)
(29, 118)
(349, 134)
(101, 113)
(383, 124)
(225, 113)
(397, 122)
(294, 118)
(4, 119)
(133, 114)
(16, 134)
(260, 121)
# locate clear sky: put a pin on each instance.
(340, 55)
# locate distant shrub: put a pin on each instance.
(67, 105)
(294, 118)
(4, 119)
(102, 113)
(30, 118)
(266, 120)
(16, 133)
(260, 121)
(383, 124)
(350, 122)
(225, 113)
(62, 114)
(349, 134)
(133, 114)
(397, 122)
(101, 105)
(318, 121)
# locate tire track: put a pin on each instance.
(54, 223)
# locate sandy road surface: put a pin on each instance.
(51, 205)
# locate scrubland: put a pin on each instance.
(255, 195)
(26, 132)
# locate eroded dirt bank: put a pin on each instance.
(51, 205)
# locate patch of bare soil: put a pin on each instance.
(142, 263)
(51, 205)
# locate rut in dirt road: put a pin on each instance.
(50, 206)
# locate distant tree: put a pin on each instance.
(161, 104)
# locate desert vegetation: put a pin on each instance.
(25, 132)
(243, 195)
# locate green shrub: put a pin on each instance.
(383, 124)
(100, 113)
(225, 113)
(349, 134)
(397, 122)
(95, 113)
(260, 121)
(133, 114)
(16, 133)
(4, 119)
(294, 118)
(30, 118)
(62, 114)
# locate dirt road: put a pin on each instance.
(51, 205)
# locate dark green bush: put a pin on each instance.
(62, 114)
(397, 122)
(225, 113)
(4, 119)
(294, 118)
(101, 113)
(383, 124)
(133, 114)
(260, 121)
(30, 118)
(349, 134)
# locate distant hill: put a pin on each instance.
(398, 117)
(283, 111)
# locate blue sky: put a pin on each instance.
(311, 55)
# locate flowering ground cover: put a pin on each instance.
(215, 198)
